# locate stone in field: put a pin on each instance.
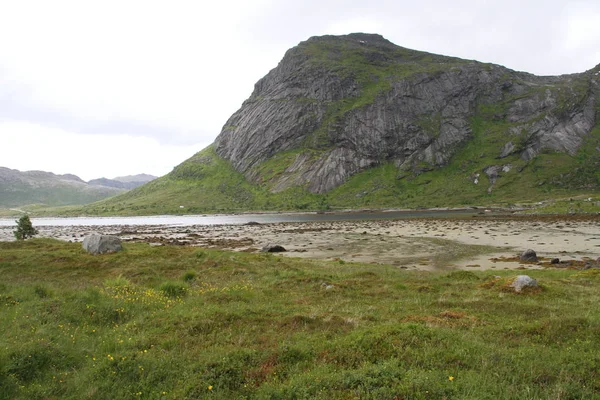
(529, 256)
(100, 244)
(523, 281)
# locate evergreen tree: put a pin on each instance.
(24, 228)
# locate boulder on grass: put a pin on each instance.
(100, 244)
(528, 256)
(523, 281)
(273, 248)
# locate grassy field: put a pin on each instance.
(183, 322)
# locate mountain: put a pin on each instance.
(145, 178)
(124, 182)
(37, 187)
(357, 121)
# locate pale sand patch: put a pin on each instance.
(410, 243)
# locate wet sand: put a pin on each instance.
(473, 244)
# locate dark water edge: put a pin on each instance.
(264, 218)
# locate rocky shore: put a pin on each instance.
(477, 243)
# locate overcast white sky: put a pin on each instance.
(106, 88)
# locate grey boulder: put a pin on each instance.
(528, 256)
(523, 281)
(100, 244)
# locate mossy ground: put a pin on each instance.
(175, 323)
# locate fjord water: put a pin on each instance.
(235, 219)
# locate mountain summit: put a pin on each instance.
(355, 120)
(343, 104)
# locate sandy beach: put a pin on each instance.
(476, 243)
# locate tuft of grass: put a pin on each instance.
(173, 289)
(189, 276)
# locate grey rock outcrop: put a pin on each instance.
(393, 105)
(100, 244)
(507, 150)
(523, 281)
(528, 256)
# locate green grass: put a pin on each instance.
(130, 325)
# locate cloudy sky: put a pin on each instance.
(108, 88)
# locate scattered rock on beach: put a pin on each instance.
(529, 256)
(555, 261)
(273, 248)
(523, 281)
(100, 244)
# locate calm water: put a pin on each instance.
(183, 220)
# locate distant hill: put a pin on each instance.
(124, 182)
(38, 187)
(356, 121)
(135, 178)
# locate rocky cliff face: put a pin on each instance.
(337, 105)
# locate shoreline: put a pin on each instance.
(414, 243)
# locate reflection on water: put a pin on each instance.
(184, 220)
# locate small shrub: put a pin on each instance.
(118, 282)
(42, 291)
(173, 289)
(25, 229)
(189, 276)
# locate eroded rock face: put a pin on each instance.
(100, 244)
(344, 104)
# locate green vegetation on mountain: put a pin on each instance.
(357, 122)
(182, 322)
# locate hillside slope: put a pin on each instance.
(355, 121)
